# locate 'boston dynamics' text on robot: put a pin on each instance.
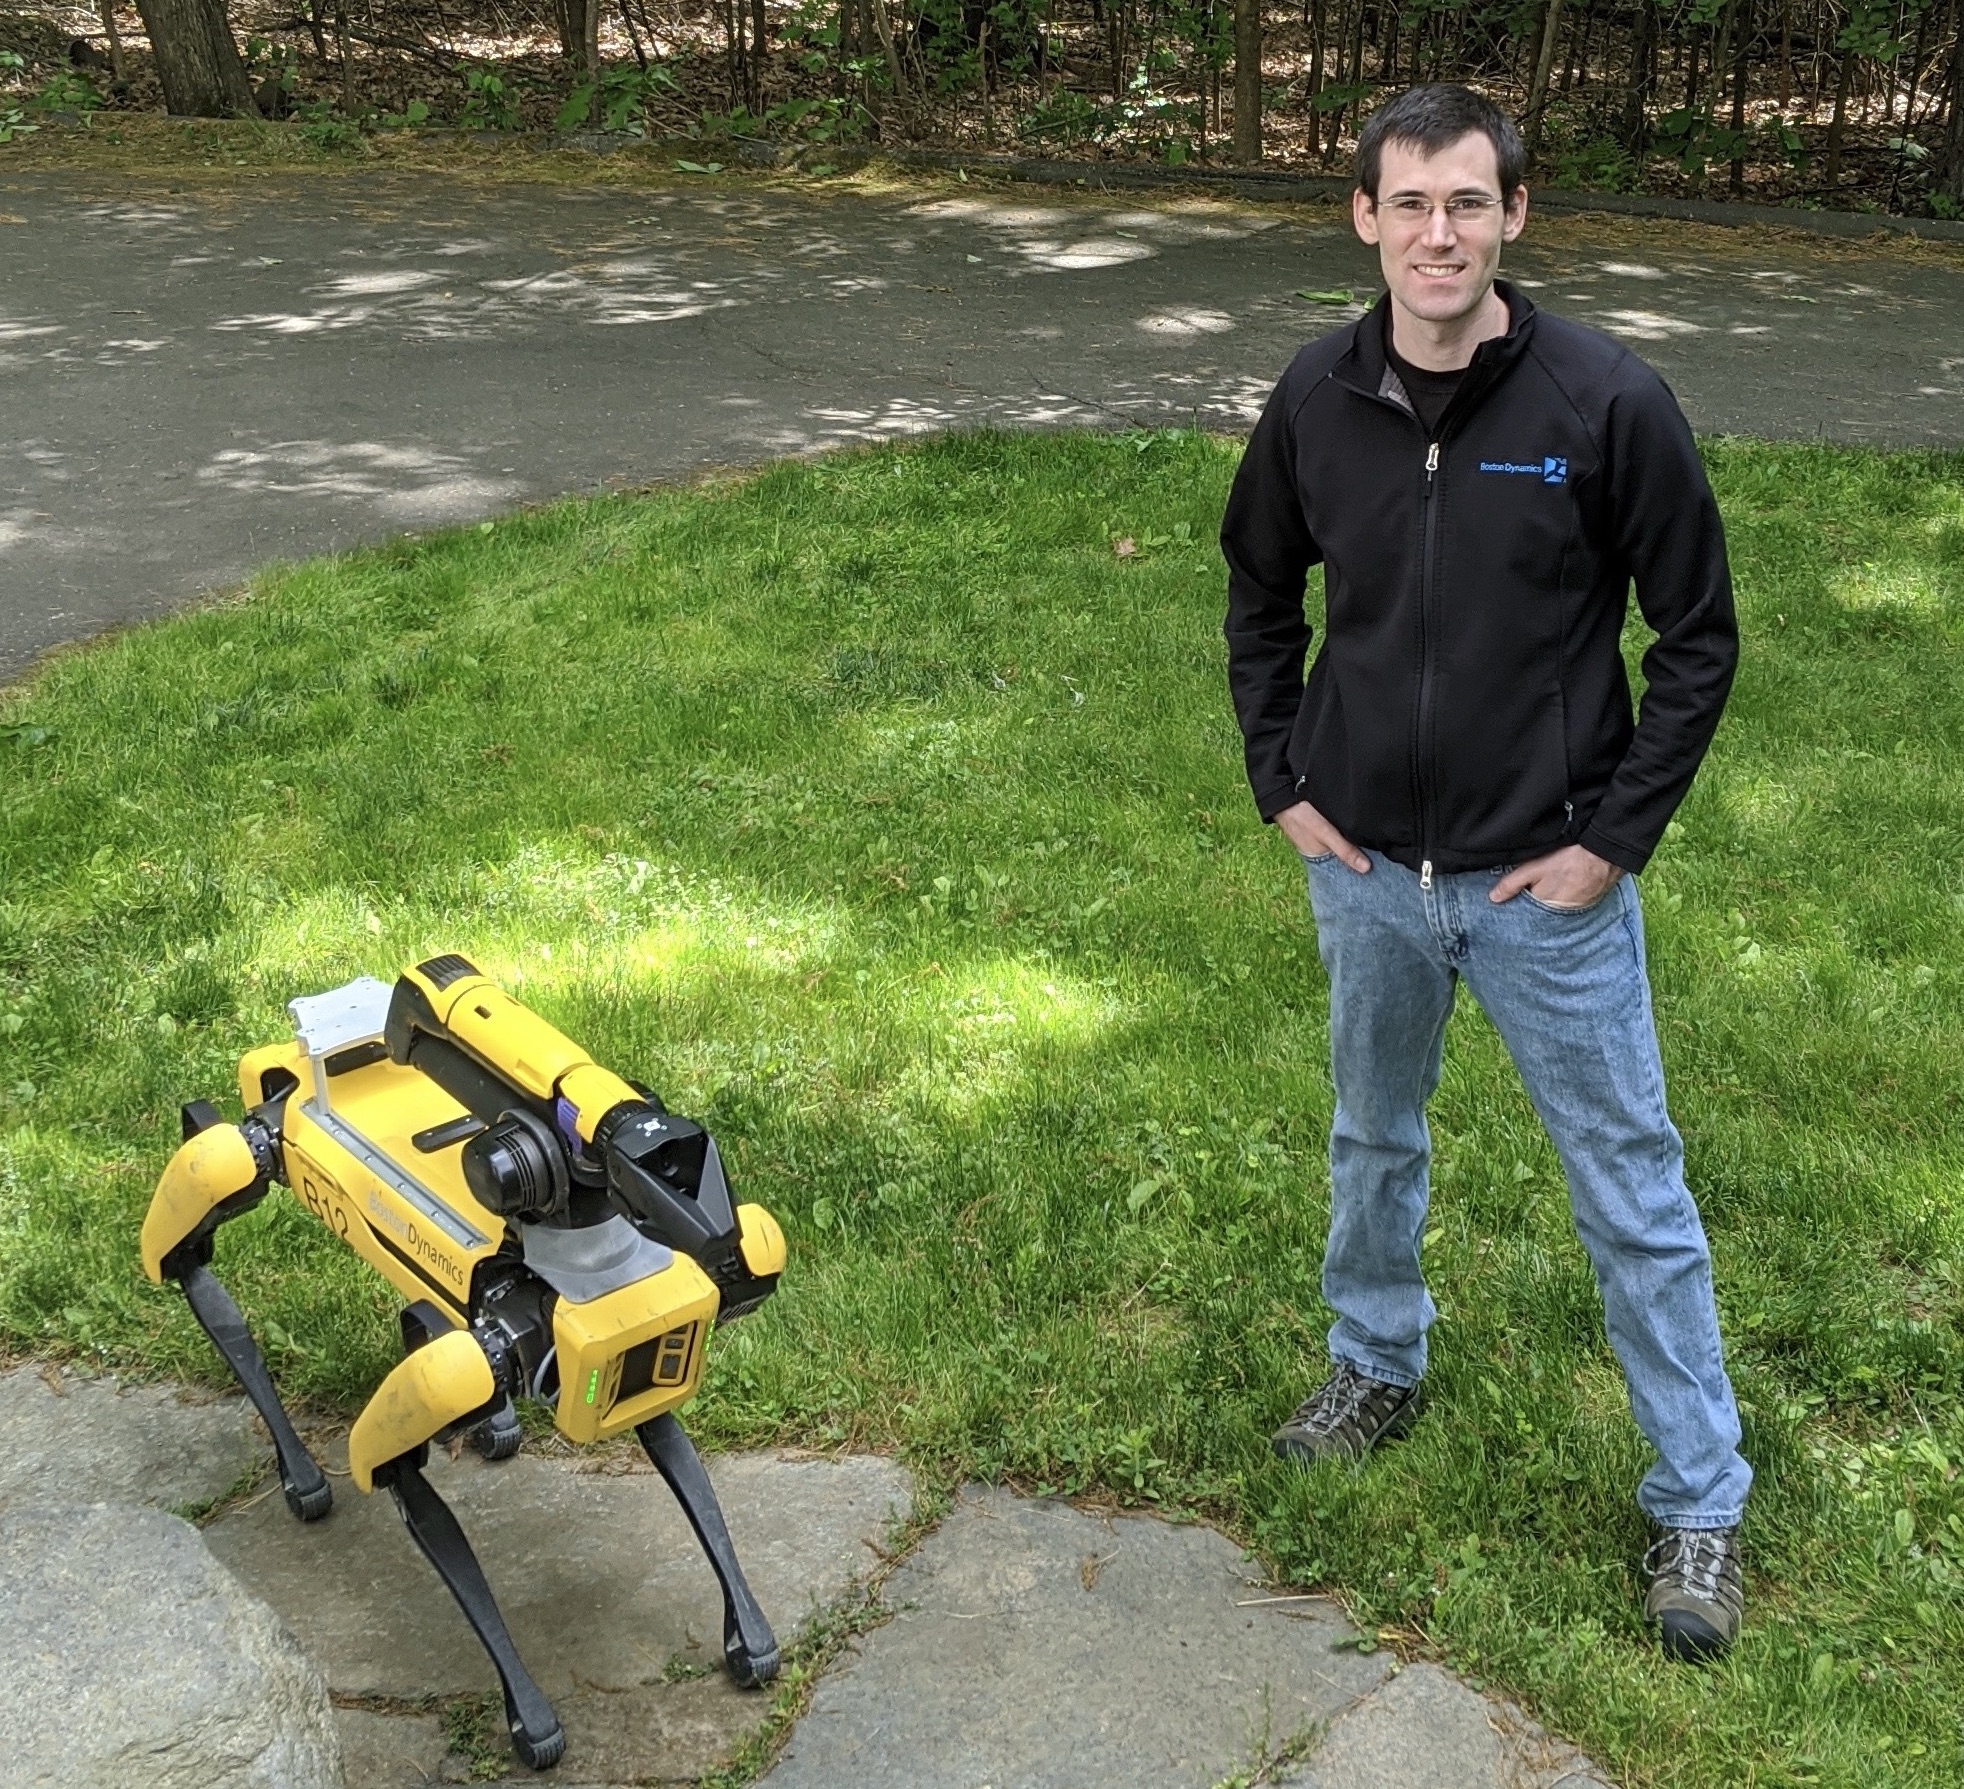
(558, 1233)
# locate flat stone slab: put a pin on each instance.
(663, 1733)
(599, 1577)
(130, 1656)
(65, 1438)
(1424, 1729)
(391, 1751)
(1038, 1647)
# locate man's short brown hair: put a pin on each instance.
(1432, 118)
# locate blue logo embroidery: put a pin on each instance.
(1549, 469)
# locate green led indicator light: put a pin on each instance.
(592, 1384)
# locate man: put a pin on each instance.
(1481, 483)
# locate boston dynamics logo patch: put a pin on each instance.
(1549, 469)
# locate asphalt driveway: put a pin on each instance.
(194, 382)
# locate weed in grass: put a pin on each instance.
(876, 812)
(474, 1732)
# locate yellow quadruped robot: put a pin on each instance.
(558, 1233)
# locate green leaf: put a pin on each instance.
(700, 167)
(1335, 295)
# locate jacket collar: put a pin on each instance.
(1365, 368)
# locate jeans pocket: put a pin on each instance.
(1534, 900)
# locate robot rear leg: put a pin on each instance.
(221, 1172)
(308, 1494)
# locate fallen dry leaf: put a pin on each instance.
(1125, 548)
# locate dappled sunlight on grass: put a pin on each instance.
(1910, 590)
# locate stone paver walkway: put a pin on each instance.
(198, 381)
(1039, 1647)
(1031, 1645)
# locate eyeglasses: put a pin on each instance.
(1462, 208)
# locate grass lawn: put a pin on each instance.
(877, 813)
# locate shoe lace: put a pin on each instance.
(1334, 1402)
(1696, 1557)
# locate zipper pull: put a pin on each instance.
(1425, 869)
(1432, 462)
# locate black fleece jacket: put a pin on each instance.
(1468, 707)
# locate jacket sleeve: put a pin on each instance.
(1266, 541)
(1666, 528)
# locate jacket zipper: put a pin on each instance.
(1422, 723)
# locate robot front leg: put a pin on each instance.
(536, 1734)
(749, 1646)
(220, 1172)
(445, 1384)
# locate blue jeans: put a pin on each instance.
(1568, 993)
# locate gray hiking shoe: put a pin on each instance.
(1695, 1593)
(1345, 1417)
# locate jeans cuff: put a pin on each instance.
(1372, 1370)
(1698, 1519)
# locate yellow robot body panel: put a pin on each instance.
(421, 1230)
(633, 1353)
(210, 1168)
(761, 1239)
(263, 1070)
(532, 1053)
(439, 1384)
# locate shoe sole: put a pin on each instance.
(1299, 1453)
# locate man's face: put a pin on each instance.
(1438, 225)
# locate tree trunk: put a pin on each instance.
(1916, 68)
(118, 69)
(1355, 76)
(347, 61)
(1635, 133)
(1839, 122)
(1950, 179)
(1742, 37)
(883, 26)
(1248, 81)
(1551, 26)
(197, 61)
